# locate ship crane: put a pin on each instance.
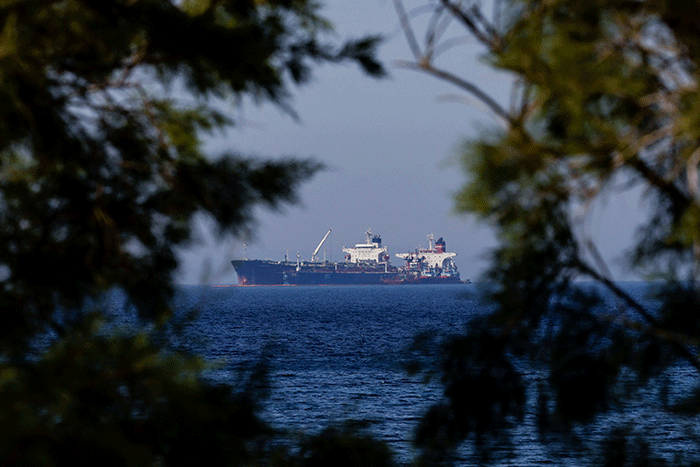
(314, 258)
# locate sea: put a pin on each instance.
(340, 352)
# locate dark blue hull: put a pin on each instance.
(259, 272)
(418, 280)
(337, 278)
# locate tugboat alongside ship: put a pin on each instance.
(365, 264)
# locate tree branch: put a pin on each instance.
(632, 303)
(406, 26)
(657, 181)
(469, 22)
(463, 84)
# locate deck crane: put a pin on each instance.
(313, 256)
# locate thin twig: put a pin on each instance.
(469, 23)
(408, 31)
(636, 306)
(432, 35)
(463, 84)
(495, 41)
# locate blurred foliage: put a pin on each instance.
(104, 107)
(345, 445)
(604, 97)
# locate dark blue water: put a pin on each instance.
(336, 352)
(339, 352)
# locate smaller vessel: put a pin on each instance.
(427, 266)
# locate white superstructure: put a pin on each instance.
(433, 261)
(370, 252)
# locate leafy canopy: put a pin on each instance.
(104, 106)
(603, 92)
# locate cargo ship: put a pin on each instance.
(364, 264)
(433, 265)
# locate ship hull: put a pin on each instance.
(418, 280)
(259, 272)
(337, 278)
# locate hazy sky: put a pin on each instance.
(388, 145)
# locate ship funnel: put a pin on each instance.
(440, 245)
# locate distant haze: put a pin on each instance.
(388, 145)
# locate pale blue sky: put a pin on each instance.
(388, 145)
